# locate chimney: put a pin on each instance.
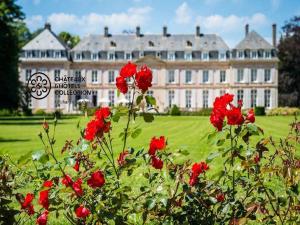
(274, 35)
(198, 31)
(165, 31)
(246, 29)
(106, 31)
(47, 26)
(138, 31)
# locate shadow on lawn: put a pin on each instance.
(21, 123)
(12, 140)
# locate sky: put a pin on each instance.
(226, 18)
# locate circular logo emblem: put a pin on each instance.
(39, 85)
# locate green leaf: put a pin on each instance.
(148, 117)
(150, 100)
(150, 203)
(136, 133)
(212, 156)
(40, 156)
(139, 99)
(184, 152)
(116, 117)
(164, 201)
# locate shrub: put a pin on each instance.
(175, 111)
(283, 111)
(259, 110)
(40, 112)
(91, 185)
(57, 114)
(202, 112)
(5, 112)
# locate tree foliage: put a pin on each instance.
(69, 39)
(289, 66)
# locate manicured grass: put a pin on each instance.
(17, 137)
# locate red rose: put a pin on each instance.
(48, 183)
(122, 157)
(144, 78)
(27, 204)
(44, 199)
(96, 180)
(122, 85)
(45, 126)
(77, 165)
(250, 116)
(128, 70)
(256, 159)
(42, 219)
(82, 212)
(217, 120)
(77, 187)
(196, 170)
(102, 113)
(156, 162)
(220, 197)
(235, 116)
(91, 130)
(157, 144)
(67, 181)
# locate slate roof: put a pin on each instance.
(253, 41)
(130, 42)
(46, 40)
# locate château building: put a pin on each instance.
(189, 70)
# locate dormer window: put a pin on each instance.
(113, 44)
(151, 44)
(189, 43)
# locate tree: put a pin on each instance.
(289, 65)
(10, 14)
(69, 39)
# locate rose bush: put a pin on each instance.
(92, 184)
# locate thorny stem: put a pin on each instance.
(233, 173)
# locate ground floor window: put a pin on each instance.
(57, 100)
(253, 98)
(240, 95)
(111, 97)
(171, 97)
(267, 98)
(205, 98)
(188, 99)
(94, 98)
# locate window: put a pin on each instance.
(57, 100)
(267, 98)
(111, 76)
(27, 74)
(94, 56)
(77, 76)
(267, 75)
(78, 56)
(240, 95)
(171, 97)
(43, 54)
(94, 76)
(205, 56)
(240, 75)
(111, 97)
(268, 54)
(205, 98)
(171, 56)
(56, 75)
(188, 77)
(241, 54)
(128, 56)
(188, 56)
(171, 76)
(205, 76)
(253, 98)
(150, 93)
(254, 54)
(111, 56)
(94, 98)
(222, 76)
(188, 99)
(253, 75)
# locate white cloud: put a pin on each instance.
(94, 22)
(183, 14)
(34, 22)
(228, 24)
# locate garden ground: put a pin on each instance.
(19, 136)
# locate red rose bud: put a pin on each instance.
(46, 126)
(196, 170)
(44, 199)
(128, 70)
(256, 159)
(67, 181)
(82, 212)
(77, 187)
(220, 197)
(77, 165)
(42, 219)
(122, 85)
(27, 204)
(122, 157)
(250, 116)
(156, 162)
(48, 183)
(96, 180)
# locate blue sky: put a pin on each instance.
(224, 17)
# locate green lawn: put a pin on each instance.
(20, 136)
